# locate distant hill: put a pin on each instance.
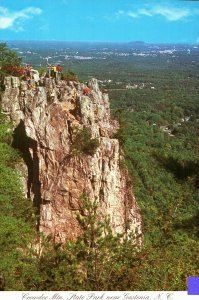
(137, 43)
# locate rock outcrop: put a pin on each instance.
(46, 117)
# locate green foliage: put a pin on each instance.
(96, 260)
(16, 237)
(41, 71)
(69, 76)
(9, 62)
(83, 142)
(8, 57)
(5, 129)
(17, 219)
(164, 169)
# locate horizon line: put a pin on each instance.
(100, 42)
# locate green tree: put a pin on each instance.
(96, 260)
(8, 57)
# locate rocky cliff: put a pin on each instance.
(46, 118)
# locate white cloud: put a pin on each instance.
(132, 14)
(5, 22)
(145, 12)
(169, 13)
(12, 20)
(120, 12)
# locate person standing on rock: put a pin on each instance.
(54, 71)
(59, 71)
(28, 69)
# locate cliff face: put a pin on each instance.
(46, 118)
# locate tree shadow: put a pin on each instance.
(181, 169)
(190, 225)
(26, 146)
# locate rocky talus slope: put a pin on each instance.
(46, 117)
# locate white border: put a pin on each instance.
(159, 295)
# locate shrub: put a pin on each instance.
(69, 76)
(42, 71)
(13, 70)
(8, 57)
(97, 260)
(84, 143)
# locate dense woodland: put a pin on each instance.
(159, 135)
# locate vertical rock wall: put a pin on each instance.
(45, 118)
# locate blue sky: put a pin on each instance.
(100, 20)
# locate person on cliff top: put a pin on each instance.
(54, 71)
(28, 69)
(59, 71)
